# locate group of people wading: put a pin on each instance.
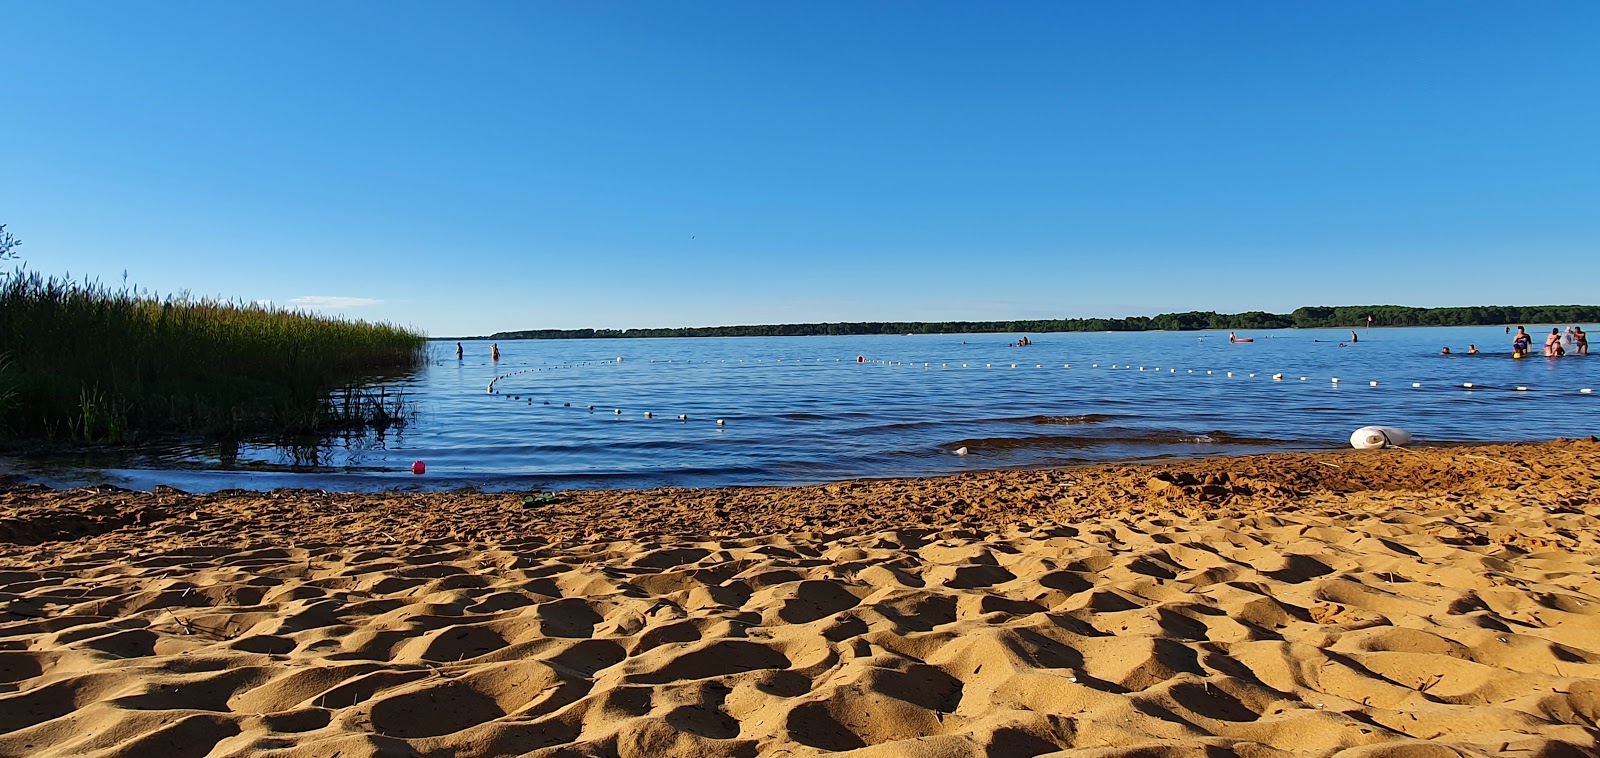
(494, 352)
(1554, 345)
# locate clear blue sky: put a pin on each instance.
(473, 167)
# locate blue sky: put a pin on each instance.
(474, 167)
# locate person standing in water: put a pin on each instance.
(494, 351)
(1580, 341)
(460, 354)
(1354, 338)
(1552, 343)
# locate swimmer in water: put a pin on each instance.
(1445, 351)
(1471, 349)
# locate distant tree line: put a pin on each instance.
(1310, 317)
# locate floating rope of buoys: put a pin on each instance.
(493, 387)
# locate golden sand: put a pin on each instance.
(1439, 602)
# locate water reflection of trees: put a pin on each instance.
(343, 449)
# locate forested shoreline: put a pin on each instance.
(1310, 317)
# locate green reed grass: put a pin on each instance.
(83, 361)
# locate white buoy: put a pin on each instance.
(961, 451)
(1252, 376)
(647, 414)
(619, 359)
(1466, 385)
(683, 417)
(1208, 373)
(1303, 378)
(1172, 371)
(1066, 365)
(1375, 437)
(1372, 384)
(1013, 365)
(1230, 374)
(1522, 389)
(1336, 380)
(619, 411)
(1141, 368)
(1586, 391)
(1276, 377)
(1416, 384)
(1096, 365)
(719, 422)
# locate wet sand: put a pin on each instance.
(1435, 602)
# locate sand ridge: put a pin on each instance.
(1391, 603)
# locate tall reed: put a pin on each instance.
(86, 361)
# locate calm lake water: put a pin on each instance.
(803, 410)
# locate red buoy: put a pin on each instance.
(861, 359)
(419, 468)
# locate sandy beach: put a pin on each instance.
(1436, 602)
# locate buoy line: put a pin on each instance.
(494, 386)
(494, 389)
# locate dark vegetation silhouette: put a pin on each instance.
(1303, 318)
(83, 362)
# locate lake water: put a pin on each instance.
(802, 409)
